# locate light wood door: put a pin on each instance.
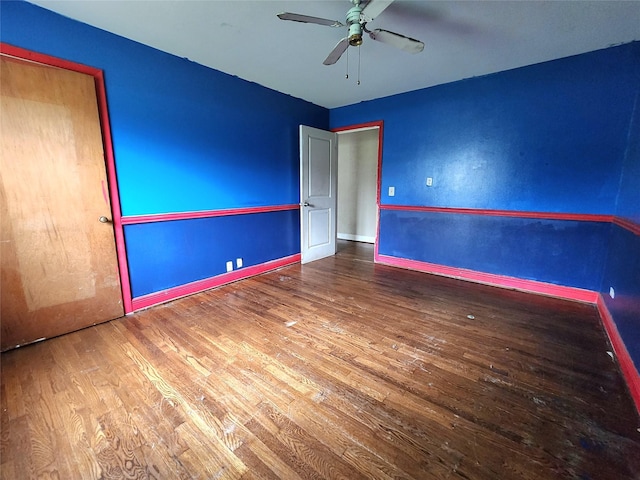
(318, 193)
(59, 264)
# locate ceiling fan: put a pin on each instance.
(356, 21)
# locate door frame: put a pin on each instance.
(379, 124)
(112, 181)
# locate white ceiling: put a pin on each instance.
(462, 39)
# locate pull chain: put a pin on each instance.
(358, 65)
(347, 75)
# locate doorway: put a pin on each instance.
(360, 196)
(358, 184)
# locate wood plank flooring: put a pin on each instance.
(335, 369)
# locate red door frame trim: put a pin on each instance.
(112, 180)
(380, 125)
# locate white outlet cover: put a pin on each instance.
(612, 292)
(229, 266)
(238, 263)
(392, 191)
(429, 181)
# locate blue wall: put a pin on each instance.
(549, 137)
(178, 255)
(186, 138)
(623, 273)
(557, 137)
(560, 252)
(628, 204)
(622, 270)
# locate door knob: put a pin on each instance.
(104, 219)
(307, 204)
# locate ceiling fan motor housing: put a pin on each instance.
(355, 28)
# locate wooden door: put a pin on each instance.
(318, 193)
(59, 265)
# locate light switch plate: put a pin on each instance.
(392, 191)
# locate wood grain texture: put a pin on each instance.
(336, 369)
(59, 268)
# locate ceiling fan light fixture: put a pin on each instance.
(355, 40)
(355, 34)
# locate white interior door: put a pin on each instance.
(318, 192)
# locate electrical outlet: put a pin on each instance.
(429, 181)
(392, 191)
(229, 266)
(612, 292)
(238, 263)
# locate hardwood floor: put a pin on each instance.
(335, 369)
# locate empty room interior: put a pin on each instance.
(320, 239)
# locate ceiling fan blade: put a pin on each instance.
(375, 8)
(407, 44)
(337, 52)
(296, 17)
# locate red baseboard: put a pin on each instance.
(531, 286)
(174, 293)
(629, 370)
